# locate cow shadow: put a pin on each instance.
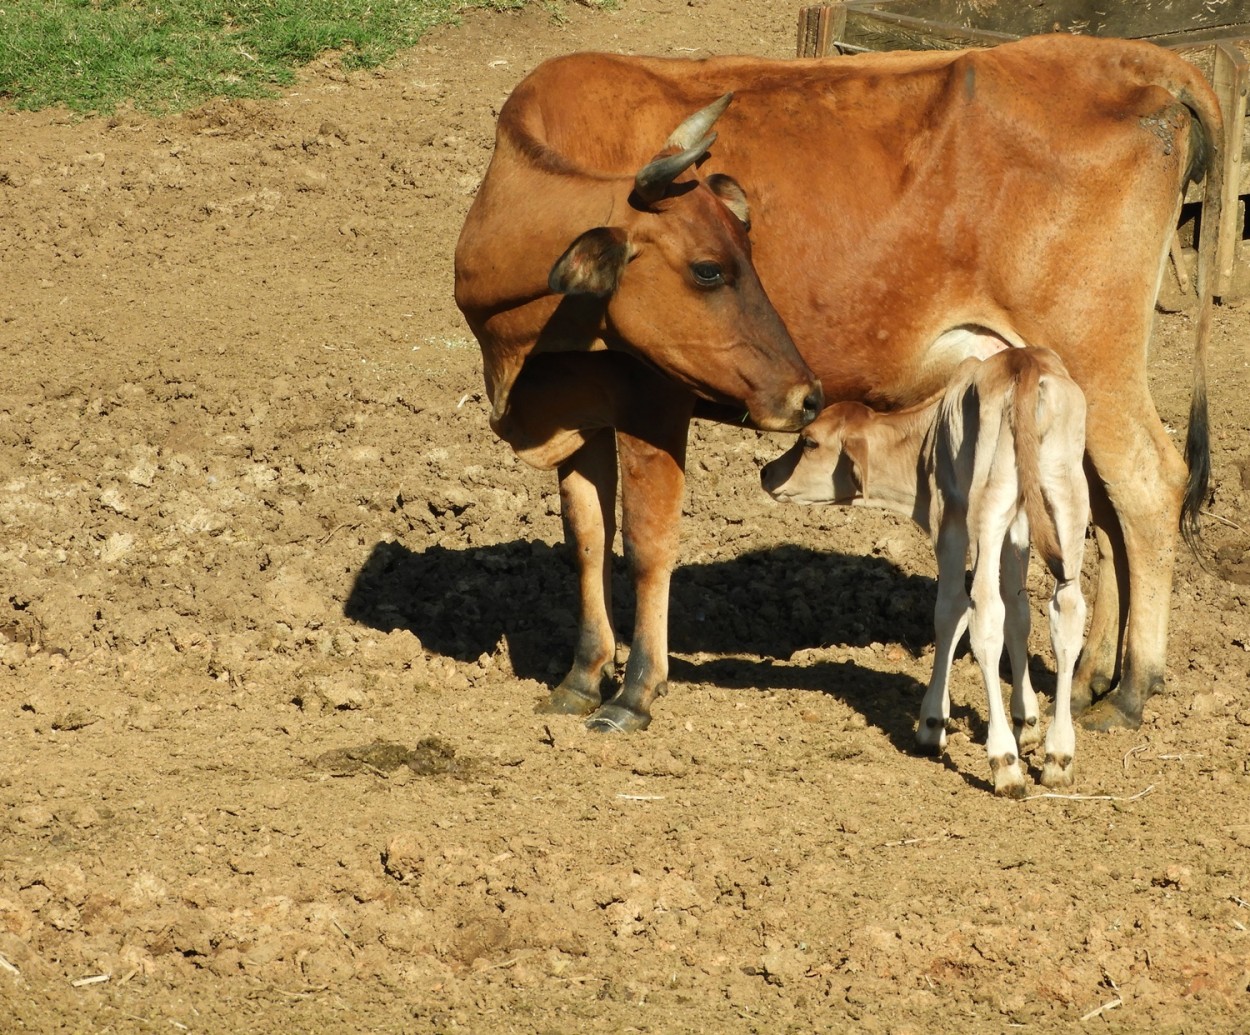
(737, 617)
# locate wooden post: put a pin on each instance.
(819, 29)
(1230, 79)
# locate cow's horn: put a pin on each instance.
(654, 177)
(696, 127)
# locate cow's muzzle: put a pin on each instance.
(799, 408)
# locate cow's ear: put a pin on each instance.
(591, 265)
(731, 193)
(855, 455)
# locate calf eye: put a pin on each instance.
(707, 274)
(809, 443)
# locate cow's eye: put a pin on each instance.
(809, 443)
(707, 274)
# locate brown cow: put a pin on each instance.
(905, 208)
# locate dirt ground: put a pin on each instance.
(275, 608)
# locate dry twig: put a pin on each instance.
(510, 963)
(1222, 520)
(1117, 1001)
(1091, 797)
(913, 840)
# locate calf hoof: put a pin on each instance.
(1057, 771)
(1008, 777)
(614, 718)
(1028, 734)
(931, 736)
(1107, 715)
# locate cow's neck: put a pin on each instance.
(508, 268)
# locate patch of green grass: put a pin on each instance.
(92, 55)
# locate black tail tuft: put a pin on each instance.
(1198, 458)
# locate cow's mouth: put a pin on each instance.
(800, 407)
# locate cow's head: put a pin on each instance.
(680, 290)
(828, 463)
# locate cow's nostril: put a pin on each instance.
(812, 404)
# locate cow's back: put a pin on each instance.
(896, 195)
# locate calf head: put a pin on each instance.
(829, 462)
(680, 290)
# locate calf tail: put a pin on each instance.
(1206, 161)
(1027, 436)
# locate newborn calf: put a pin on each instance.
(993, 460)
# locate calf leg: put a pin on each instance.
(986, 630)
(588, 509)
(1015, 593)
(950, 619)
(1067, 624)
(652, 454)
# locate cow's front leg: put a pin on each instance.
(588, 510)
(653, 482)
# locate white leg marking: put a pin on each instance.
(1025, 714)
(1067, 629)
(986, 628)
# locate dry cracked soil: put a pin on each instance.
(276, 606)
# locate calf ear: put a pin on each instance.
(591, 265)
(731, 193)
(855, 452)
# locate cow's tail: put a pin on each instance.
(1206, 162)
(1025, 405)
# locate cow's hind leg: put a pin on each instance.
(588, 509)
(1099, 665)
(1144, 477)
(652, 462)
(1025, 715)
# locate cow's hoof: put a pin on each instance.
(1106, 715)
(1008, 777)
(1057, 772)
(1028, 734)
(1086, 692)
(930, 737)
(567, 700)
(613, 718)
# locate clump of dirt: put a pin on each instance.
(431, 757)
